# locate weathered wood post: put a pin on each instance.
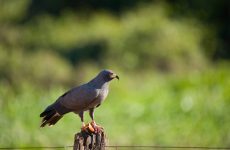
(88, 140)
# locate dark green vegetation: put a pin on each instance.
(172, 58)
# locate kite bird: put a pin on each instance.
(80, 99)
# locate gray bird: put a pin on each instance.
(79, 99)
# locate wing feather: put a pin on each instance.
(78, 98)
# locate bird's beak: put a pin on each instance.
(115, 76)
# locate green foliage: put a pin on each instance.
(138, 42)
(170, 92)
(154, 109)
(12, 11)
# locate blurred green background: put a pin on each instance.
(172, 58)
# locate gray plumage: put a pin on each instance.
(79, 99)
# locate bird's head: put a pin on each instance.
(108, 75)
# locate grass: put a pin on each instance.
(192, 109)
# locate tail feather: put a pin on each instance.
(50, 117)
(44, 113)
(55, 119)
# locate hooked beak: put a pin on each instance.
(115, 76)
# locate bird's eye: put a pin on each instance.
(111, 74)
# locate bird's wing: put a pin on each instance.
(78, 98)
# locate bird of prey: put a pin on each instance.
(79, 99)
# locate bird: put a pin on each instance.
(79, 99)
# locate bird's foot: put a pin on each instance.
(96, 127)
(87, 128)
(83, 127)
(91, 127)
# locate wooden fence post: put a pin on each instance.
(86, 140)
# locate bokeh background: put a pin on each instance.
(172, 57)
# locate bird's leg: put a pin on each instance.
(81, 114)
(91, 113)
(93, 123)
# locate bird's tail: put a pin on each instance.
(50, 116)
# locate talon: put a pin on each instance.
(91, 128)
(96, 127)
(93, 123)
(83, 127)
(87, 128)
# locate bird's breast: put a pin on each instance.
(103, 94)
(100, 98)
